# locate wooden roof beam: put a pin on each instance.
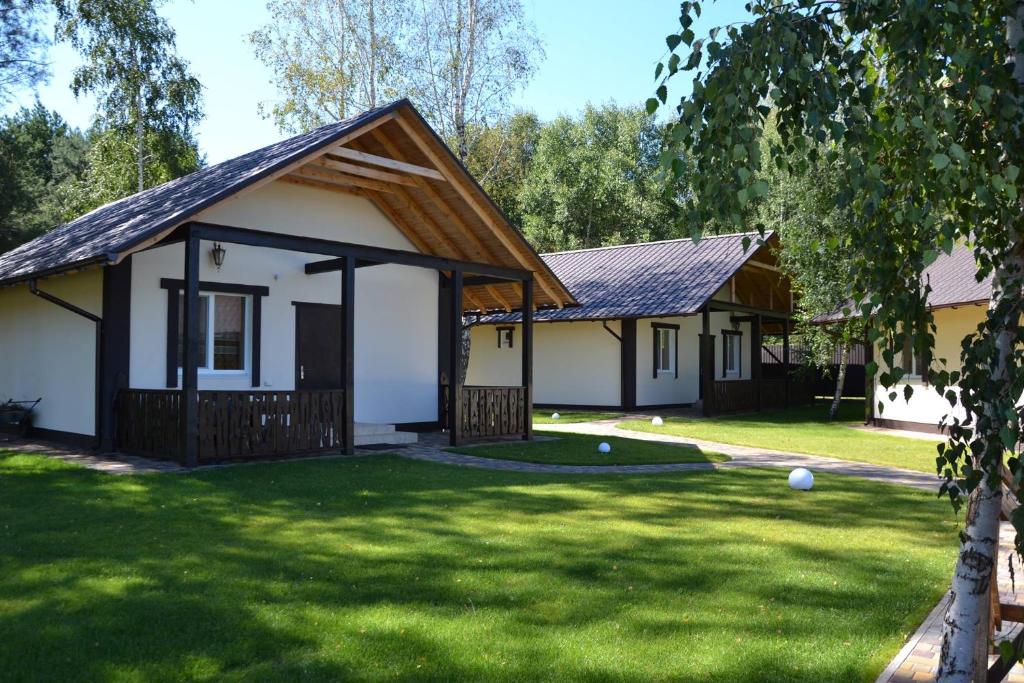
(393, 164)
(525, 255)
(352, 169)
(321, 185)
(327, 175)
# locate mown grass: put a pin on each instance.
(563, 448)
(803, 430)
(543, 417)
(385, 568)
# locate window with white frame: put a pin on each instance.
(665, 349)
(732, 358)
(506, 335)
(224, 334)
(914, 365)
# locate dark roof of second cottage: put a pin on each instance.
(652, 279)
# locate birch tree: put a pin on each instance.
(130, 64)
(332, 58)
(471, 57)
(925, 99)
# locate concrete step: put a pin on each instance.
(368, 434)
(370, 428)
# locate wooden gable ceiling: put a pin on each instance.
(398, 163)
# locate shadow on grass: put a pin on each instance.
(383, 567)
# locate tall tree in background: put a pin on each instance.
(801, 207)
(924, 102)
(471, 56)
(22, 46)
(595, 180)
(39, 155)
(332, 58)
(502, 159)
(145, 90)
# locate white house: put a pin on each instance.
(635, 340)
(264, 305)
(958, 302)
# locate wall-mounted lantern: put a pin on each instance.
(218, 253)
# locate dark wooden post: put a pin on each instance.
(528, 358)
(755, 356)
(190, 364)
(785, 360)
(627, 363)
(115, 344)
(455, 362)
(869, 381)
(707, 366)
(348, 339)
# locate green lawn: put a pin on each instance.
(383, 567)
(543, 417)
(580, 449)
(803, 430)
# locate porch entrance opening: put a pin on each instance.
(318, 348)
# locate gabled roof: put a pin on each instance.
(424, 191)
(953, 279)
(673, 277)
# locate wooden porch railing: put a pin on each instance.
(148, 422)
(232, 424)
(736, 396)
(487, 411)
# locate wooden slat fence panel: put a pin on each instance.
(232, 424)
(491, 411)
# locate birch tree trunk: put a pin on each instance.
(964, 653)
(140, 143)
(844, 361)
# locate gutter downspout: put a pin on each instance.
(98, 321)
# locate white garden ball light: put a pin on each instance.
(604, 447)
(801, 479)
(555, 416)
(657, 422)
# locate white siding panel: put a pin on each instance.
(49, 352)
(574, 363)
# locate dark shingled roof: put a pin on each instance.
(100, 235)
(674, 277)
(953, 279)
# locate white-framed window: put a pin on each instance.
(732, 358)
(665, 349)
(914, 365)
(225, 332)
(506, 337)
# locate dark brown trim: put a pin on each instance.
(217, 287)
(869, 381)
(257, 292)
(907, 425)
(454, 359)
(527, 362)
(190, 360)
(665, 405)
(507, 328)
(115, 360)
(73, 439)
(656, 355)
(725, 353)
(425, 426)
(707, 366)
(348, 341)
(575, 406)
(627, 364)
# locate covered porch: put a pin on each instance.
(196, 426)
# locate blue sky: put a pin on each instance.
(597, 50)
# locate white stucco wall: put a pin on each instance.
(926, 405)
(574, 363)
(396, 371)
(49, 352)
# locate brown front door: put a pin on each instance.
(318, 347)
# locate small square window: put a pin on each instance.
(227, 316)
(506, 337)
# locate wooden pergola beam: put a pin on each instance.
(467, 195)
(353, 169)
(327, 175)
(394, 164)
